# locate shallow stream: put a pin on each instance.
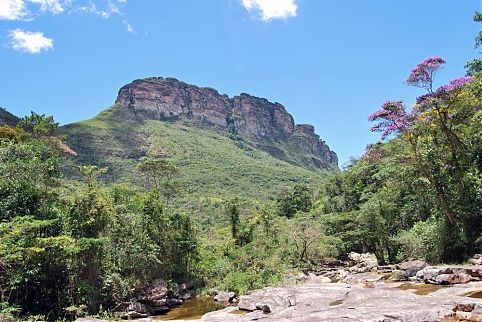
(191, 309)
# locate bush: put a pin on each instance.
(421, 241)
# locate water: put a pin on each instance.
(420, 289)
(191, 310)
(476, 295)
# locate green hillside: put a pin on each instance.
(211, 164)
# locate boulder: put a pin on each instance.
(247, 303)
(357, 258)
(312, 278)
(449, 279)
(186, 286)
(467, 312)
(410, 268)
(136, 310)
(364, 278)
(476, 259)
(448, 275)
(224, 296)
(429, 274)
(186, 296)
(157, 303)
(333, 262)
(157, 290)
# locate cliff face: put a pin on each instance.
(267, 125)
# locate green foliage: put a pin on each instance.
(421, 241)
(38, 124)
(294, 200)
(210, 164)
(10, 134)
(160, 174)
(69, 251)
(418, 194)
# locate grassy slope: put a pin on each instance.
(213, 166)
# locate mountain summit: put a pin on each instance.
(267, 126)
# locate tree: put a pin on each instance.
(305, 232)
(423, 74)
(39, 125)
(232, 211)
(474, 66)
(296, 199)
(88, 214)
(160, 174)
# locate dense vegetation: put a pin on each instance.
(231, 220)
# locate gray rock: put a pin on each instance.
(224, 296)
(157, 290)
(448, 275)
(312, 278)
(447, 279)
(186, 296)
(411, 268)
(365, 278)
(137, 307)
(342, 302)
(247, 302)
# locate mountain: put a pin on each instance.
(7, 118)
(224, 146)
(267, 125)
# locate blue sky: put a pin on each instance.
(329, 62)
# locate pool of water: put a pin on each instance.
(476, 295)
(191, 310)
(420, 289)
(239, 312)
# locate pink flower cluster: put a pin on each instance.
(422, 74)
(444, 92)
(392, 118)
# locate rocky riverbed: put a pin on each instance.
(361, 291)
(380, 301)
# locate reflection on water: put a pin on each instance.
(337, 302)
(191, 310)
(476, 295)
(239, 312)
(420, 289)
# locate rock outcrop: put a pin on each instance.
(265, 124)
(156, 298)
(343, 302)
(7, 118)
(449, 275)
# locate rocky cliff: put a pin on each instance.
(7, 118)
(266, 125)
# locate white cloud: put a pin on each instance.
(19, 9)
(128, 26)
(30, 42)
(12, 9)
(271, 9)
(54, 6)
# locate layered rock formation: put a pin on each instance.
(267, 125)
